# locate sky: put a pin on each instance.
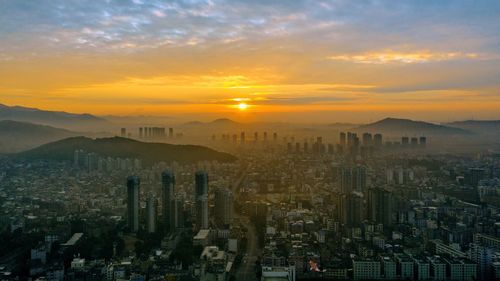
(289, 60)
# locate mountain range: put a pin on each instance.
(91, 123)
(18, 136)
(149, 153)
(52, 118)
(411, 127)
(487, 127)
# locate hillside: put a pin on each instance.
(51, 118)
(149, 153)
(489, 127)
(407, 126)
(18, 136)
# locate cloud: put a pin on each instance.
(390, 56)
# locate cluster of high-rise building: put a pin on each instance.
(172, 205)
(375, 205)
(408, 142)
(91, 161)
(242, 138)
(151, 133)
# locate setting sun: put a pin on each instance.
(242, 106)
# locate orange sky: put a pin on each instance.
(299, 61)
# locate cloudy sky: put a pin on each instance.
(287, 60)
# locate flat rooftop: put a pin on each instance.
(73, 240)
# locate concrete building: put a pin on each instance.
(201, 194)
(151, 207)
(388, 267)
(133, 185)
(351, 209)
(168, 190)
(442, 249)
(405, 266)
(223, 207)
(422, 269)
(438, 268)
(380, 206)
(366, 269)
(460, 269)
(285, 273)
(213, 264)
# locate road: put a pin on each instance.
(246, 270)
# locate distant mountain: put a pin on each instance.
(224, 121)
(216, 122)
(18, 136)
(149, 153)
(407, 126)
(490, 127)
(52, 118)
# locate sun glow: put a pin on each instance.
(242, 106)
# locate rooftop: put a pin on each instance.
(73, 240)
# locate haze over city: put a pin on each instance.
(217, 140)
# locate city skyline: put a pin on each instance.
(276, 61)
(239, 140)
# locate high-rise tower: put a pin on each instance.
(168, 185)
(351, 209)
(380, 206)
(151, 207)
(133, 185)
(201, 193)
(223, 206)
